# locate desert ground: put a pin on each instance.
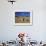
(23, 19)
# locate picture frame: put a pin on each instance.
(23, 18)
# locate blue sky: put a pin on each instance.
(22, 13)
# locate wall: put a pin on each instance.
(9, 31)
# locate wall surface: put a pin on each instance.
(8, 31)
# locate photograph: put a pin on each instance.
(23, 18)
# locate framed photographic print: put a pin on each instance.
(23, 18)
